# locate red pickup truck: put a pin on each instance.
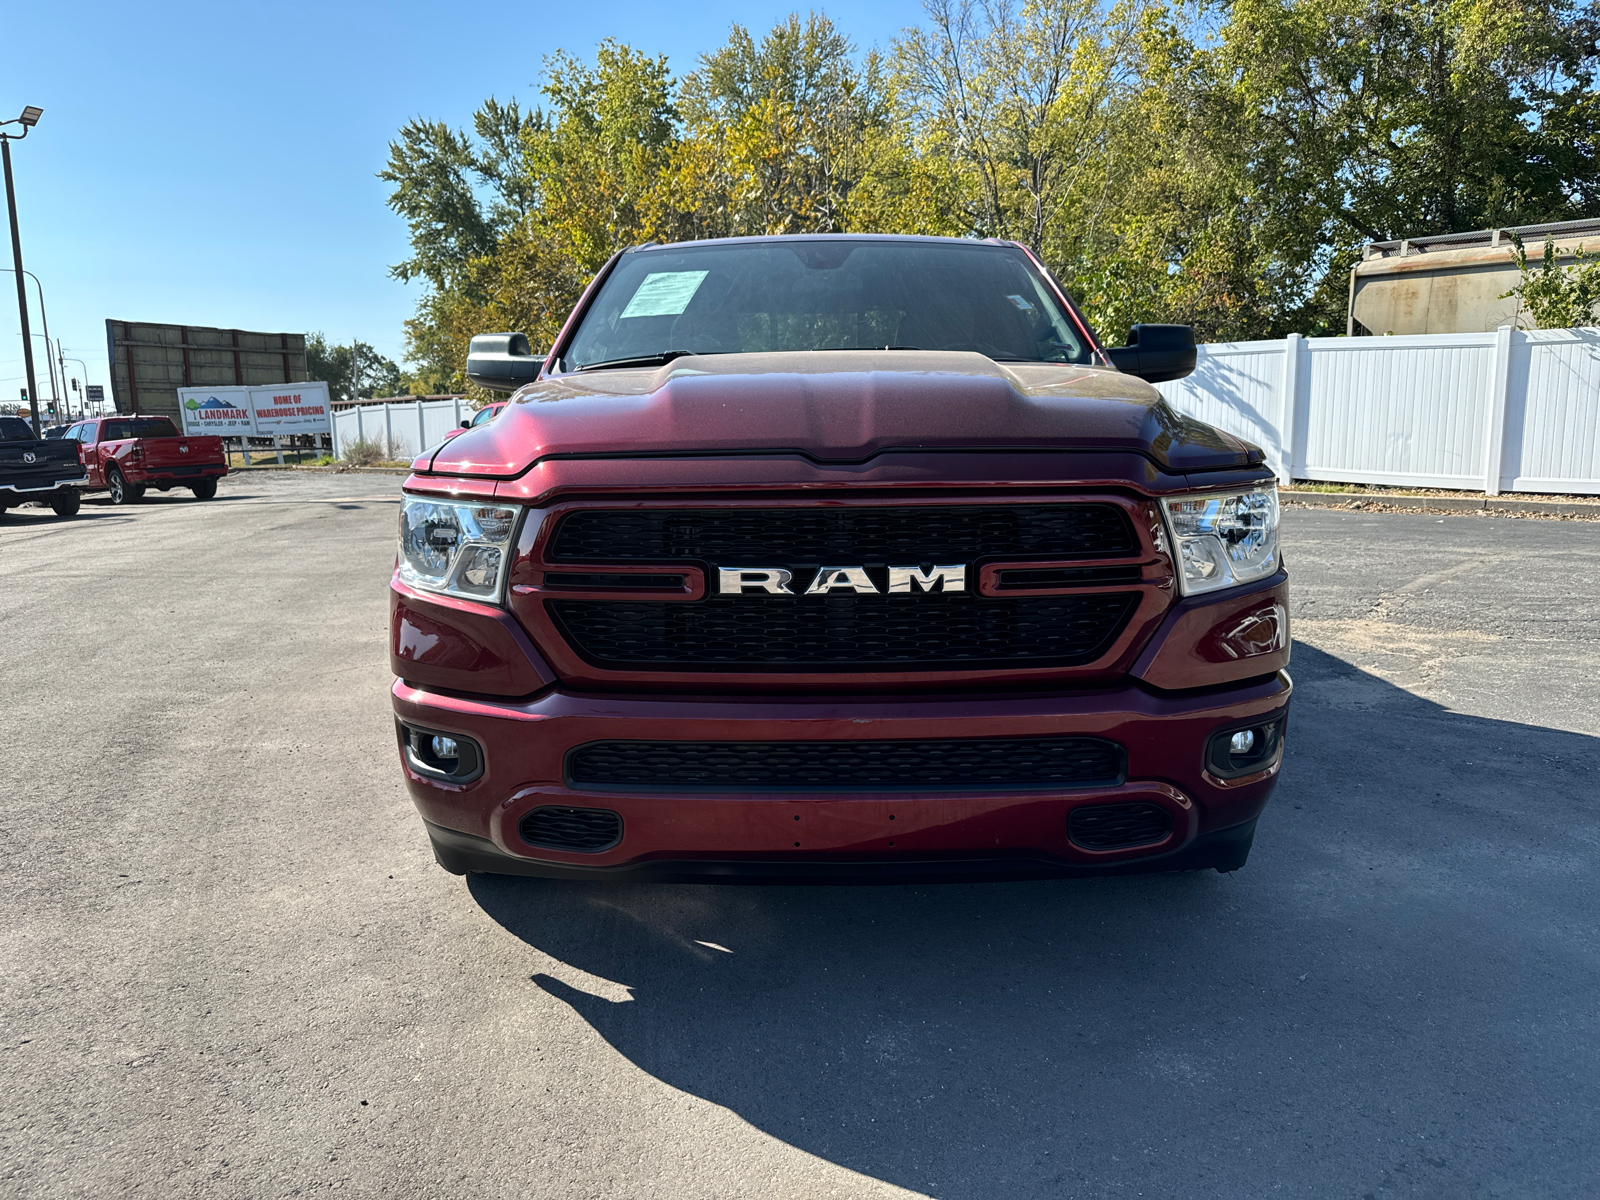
(127, 455)
(838, 557)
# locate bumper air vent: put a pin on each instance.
(965, 763)
(1118, 826)
(587, 830)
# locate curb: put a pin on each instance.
(1439, 503)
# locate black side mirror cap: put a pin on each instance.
(502, 362)
(1156, 353)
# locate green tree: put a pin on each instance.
(352, 371)
(1554, 296)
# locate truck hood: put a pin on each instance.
(842, 406)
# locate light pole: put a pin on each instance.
(83, 396)
(29, 118)
(45, 317)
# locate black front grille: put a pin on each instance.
(1118, 826)
(974, 763)
(561, 828)
(784, 536)
(844, 633)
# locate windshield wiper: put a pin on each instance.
(640, 360)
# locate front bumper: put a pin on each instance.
(831, 834)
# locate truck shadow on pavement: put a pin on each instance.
(1396, 994)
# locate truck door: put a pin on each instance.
(89, 453)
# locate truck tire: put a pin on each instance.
(122, 492)
(66, 502)
(206, 489)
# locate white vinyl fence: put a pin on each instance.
(406, 427)
(1512, 410)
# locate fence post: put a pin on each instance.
(361, 425)
(422, 429)
(333, 429)
(1286, 408)
(388, 430)
(1494, 441)
(457, 425)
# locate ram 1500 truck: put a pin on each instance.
(37, 469)
(127, 455)
(838, 557)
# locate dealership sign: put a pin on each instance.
(285, 408)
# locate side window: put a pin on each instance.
(485, 415)
(86, 433)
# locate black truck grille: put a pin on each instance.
(561, 828)
(844, 633)
(1118, 826)
(979, 763)
(913, 534)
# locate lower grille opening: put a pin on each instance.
(1118, 826)
(969, 763)
(557, 827)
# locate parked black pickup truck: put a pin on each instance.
(37, 469)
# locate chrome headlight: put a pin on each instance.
(1224, 538)
(458, 549)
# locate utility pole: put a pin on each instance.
(61, 361)
(29, 118)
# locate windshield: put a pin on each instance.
(139, 427)
(825, 294)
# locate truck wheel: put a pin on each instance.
(66, 502)
(122, 492)
(206, 489)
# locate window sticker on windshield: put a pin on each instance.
(1020, 303)
(664, 294)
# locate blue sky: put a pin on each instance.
(213, 164)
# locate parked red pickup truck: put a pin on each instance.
(838, 557)
(127, 455)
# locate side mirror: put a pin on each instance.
(467, 424)
(1156, 353)
(502, 362)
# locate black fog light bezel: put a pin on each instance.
(414, 745)
(1223, 763)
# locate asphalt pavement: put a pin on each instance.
(231, 969)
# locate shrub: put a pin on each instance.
(370, 452)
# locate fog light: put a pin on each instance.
(445, 756)
(1236, 752)
(444, 747)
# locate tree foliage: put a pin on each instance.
(1218, 165)
(352, 371)
(1552, 295)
